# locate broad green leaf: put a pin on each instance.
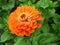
(6, 36)
(22, 41)
(43, 3)
(2, 2)
(1, 26)
(0, 20)
(29, 3)
(5, 16)
(47, 38)
(43, 39)
(3, 19)
(24, 1)
(56, 18)
(52, 44)
(46, 14)
(56, 28)
(45, 28)
(18, 38)
(10, 5)
(51, 11)
(33, 1)
(9, 43)
(0, 10)
(36, 33)
(46, 3)
(53, 4)
(34, 42)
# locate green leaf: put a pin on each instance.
(2, 2)
(34, 42)
(9, 43)
(4, 16)
(46, 13)
(36, 33)
(24, 1)
(46, 38)
(45, 28)
(43, 3)
(6, 36)
(29, 3)
(53, 4)
(52, 44)
(33, 1)
(56, 28)
(51, 11)
(1, 26)
(22, 41)
(46, 3)
(56, 18)
(10, 5)
(0, 20)
(18, 40)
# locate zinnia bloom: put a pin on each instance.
(23, 20)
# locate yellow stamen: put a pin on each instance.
(23, 16)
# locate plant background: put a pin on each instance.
(49, 34)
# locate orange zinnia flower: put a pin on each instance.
(23, 20)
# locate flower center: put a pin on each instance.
(23, 16)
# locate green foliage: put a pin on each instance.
(48, 34)
(10, 43)
(1, 26)
(23, 0)
(45, 28)
(33, 1)
(22, 41)
(56, 19)
(5, 5)
(43, 3)
(6, 36)
(44, 39)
